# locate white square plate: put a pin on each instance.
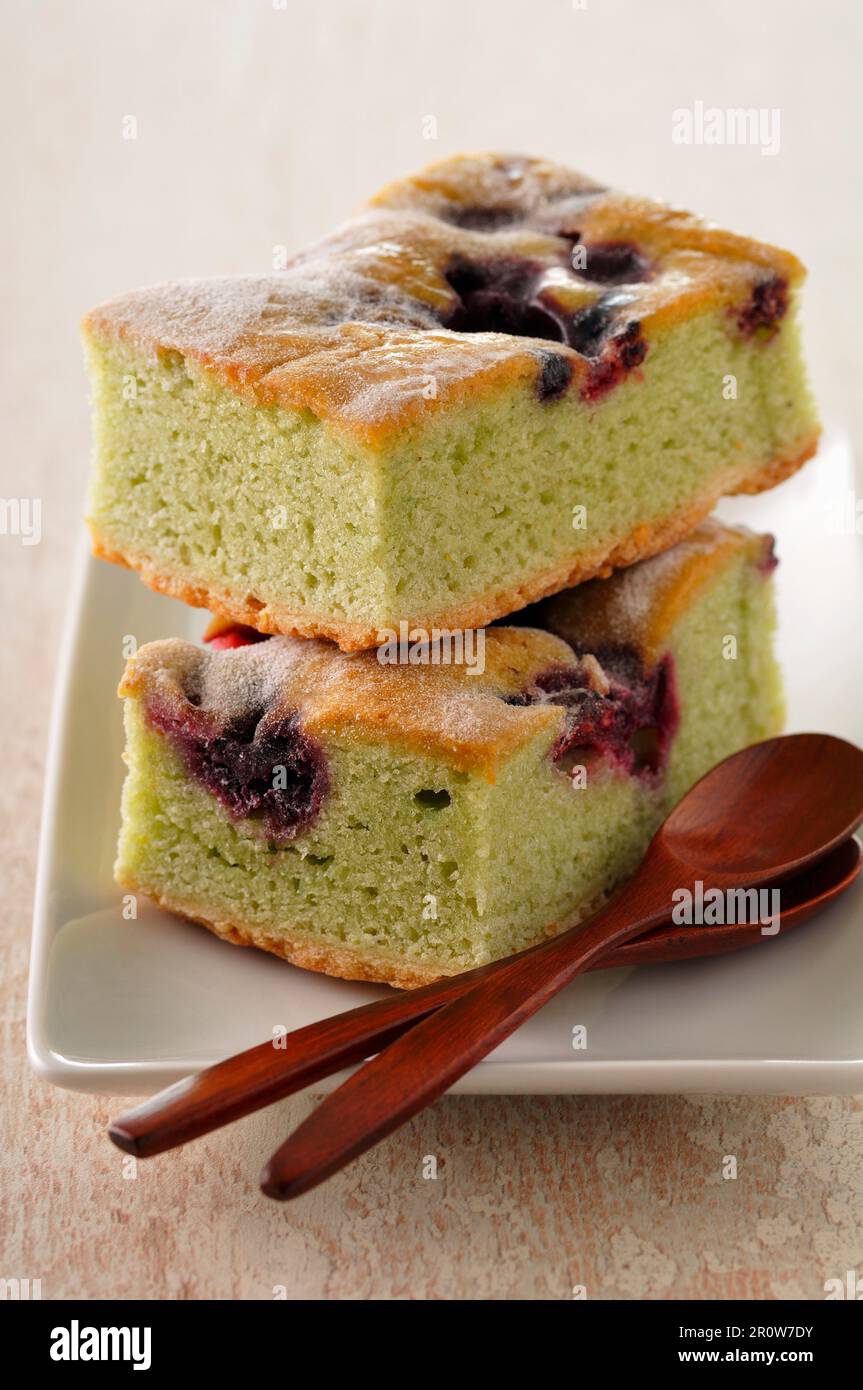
(124, 1007)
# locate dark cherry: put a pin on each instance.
(632, 725)
(568, 231)
(620, 354)
(500, 296)
(240, 765)
(498, 311)
(589, 328)
(514, 276)
(767, 304)
(769, 559)
(613, 263)
(555, 374)
(480, 219)
(237, 635)
(496, 297)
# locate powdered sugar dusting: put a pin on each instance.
(445, 710)
(354, 328)
(629, 608)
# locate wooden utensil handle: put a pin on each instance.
(271, 1071)
(415, 1070)
(275, 1069)
(264, 1074)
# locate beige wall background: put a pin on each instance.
(260, 125)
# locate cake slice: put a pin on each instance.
(498, 380)
(399, 822)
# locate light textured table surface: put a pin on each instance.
(260, 125)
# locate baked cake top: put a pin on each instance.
(476, 274)
(637, 607)
(607, 674)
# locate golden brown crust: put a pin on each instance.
(323, 958)
(645, 540)
(354, 328)
(450, 712)
(342, 962)
(638, 608)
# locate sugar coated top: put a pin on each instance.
(479, 274)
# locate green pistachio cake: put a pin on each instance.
(498, 380)
(400, 822)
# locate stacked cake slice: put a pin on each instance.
(499, 380)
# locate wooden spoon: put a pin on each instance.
(757, 818)
(266, 1073)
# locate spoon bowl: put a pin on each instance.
(768, 810)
